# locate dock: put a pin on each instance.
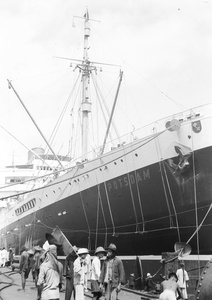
(10, 288)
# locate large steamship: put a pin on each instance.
(144, 195)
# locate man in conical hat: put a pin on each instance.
(79, 273)
(96, 271)
(112, 274)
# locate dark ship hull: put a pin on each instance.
(144, 210)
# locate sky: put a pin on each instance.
(164, 48)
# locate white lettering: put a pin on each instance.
(146, 174)
(109, 185)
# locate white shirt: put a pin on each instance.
(95, 268)
(79, 274)
(182, 278)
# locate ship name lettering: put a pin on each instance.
(123, 182)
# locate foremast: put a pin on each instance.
(86, 69)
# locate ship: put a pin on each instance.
(144, 194)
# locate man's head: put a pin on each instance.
(100, 252)
(53, 249)
(173, 276)
(82, 252)
(111, 251)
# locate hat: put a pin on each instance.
(10, 249)
(112, 247)
(30, 251)
(37, 248)
(132, 275)
(82, 251)
(53, 249)
(148, 275)
(100, 249)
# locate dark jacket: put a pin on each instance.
(118, 274)
(24, 261)
(69, 265)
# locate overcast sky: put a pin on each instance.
(164, 48)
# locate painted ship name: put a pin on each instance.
(131, 178)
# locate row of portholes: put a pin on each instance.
(53, 192)
(87, 176)
(78, 180)
(115, 163)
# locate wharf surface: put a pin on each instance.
(10, 288)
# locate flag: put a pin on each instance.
(63, 241)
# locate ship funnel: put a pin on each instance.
(183, 249)
(37, 150)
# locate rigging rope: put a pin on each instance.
(109, 207)
(99, 95)
(86, 218)
(172, 200)
(195, 198)
(104, 218)
(133, 203)
(157, 145)
(53, 134)
(139, 200)
(97, 219)
(203, 220)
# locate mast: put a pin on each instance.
(86, 104)
(86, 68)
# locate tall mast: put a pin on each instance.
(86, 104)
(86, 67)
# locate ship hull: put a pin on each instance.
(144, 198)
(88, 220)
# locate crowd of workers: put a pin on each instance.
(105, 279)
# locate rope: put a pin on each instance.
(105, 244)
(53, 134)
(157, 146)
(133, 203)
(200, 224)
(89, 231)
(139, 199)
(195, 200)
(97, 219)
(173, 205)
(111, 215)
